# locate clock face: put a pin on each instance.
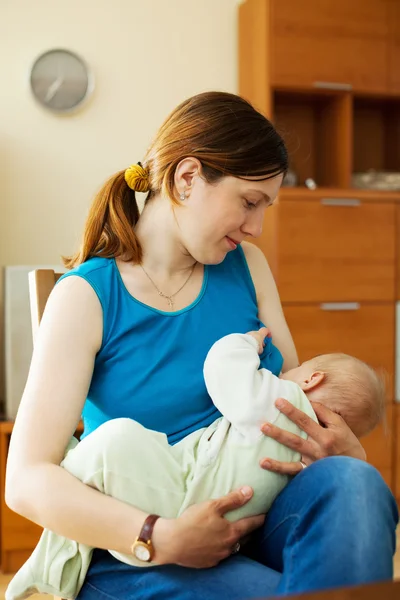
(60, 80)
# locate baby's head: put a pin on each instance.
(346, 385)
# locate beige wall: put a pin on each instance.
(146, 55)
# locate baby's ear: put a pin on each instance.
(315, 379)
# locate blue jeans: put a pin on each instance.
(333, 525)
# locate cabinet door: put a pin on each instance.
(368, 334)
(394, 46)
(330, 41)
(335, 250)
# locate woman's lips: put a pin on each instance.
(233, 243)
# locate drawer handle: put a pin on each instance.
(340, 201)
(339, 306)
(332, 85)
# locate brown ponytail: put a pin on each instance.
(109, 230)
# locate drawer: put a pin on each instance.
(333, 250)
(366, 331)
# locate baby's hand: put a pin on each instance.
(260, 336)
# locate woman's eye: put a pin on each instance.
(250, 204)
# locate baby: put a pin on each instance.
(138, 466)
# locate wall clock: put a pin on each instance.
(60, 80)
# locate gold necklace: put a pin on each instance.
(170, 297)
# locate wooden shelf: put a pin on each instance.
(316, 128)
(376, 134)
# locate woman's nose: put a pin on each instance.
(254, 224)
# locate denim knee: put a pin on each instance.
(353, 486)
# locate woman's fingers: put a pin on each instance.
(306, 423)
(282, 468)
(233, 500)
(292, 441)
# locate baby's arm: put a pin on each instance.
(241, 391)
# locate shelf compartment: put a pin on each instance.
(317, 130)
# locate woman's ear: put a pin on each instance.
(187, 169)
(315, 379)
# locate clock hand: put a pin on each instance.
(53, 89)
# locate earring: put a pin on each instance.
(183, 196)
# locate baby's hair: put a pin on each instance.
(356, 390)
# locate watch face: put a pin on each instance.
(60, 80)
(142, 552)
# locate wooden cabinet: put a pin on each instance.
(327, 74)
(18, 536)
(394, 46)
(334, 43)
(335, 249)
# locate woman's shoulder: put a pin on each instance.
(257, 264)
(97, 272)
(253, 255)
(90, 266)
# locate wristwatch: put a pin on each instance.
(142, 548)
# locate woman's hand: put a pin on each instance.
(330, 437)
(201, 537)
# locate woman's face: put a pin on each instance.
(215, 218)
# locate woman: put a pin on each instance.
(125, 335)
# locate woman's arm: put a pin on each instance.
(38, 488)
(269, 305)
(62, 365)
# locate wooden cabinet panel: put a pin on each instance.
(367, 333)
(394, 46)
(396, 424)
(378, 446)
(334, 41)
(335, 253)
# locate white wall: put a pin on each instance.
(146, 55)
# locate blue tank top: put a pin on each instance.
(150, 364)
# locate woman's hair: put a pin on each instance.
(223, 131)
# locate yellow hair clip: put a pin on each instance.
(137, 177)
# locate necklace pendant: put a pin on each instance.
(170, 302)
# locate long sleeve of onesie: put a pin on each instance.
(242, 392)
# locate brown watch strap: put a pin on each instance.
(147, 528)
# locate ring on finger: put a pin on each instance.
(303, 464)
(236, 548)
